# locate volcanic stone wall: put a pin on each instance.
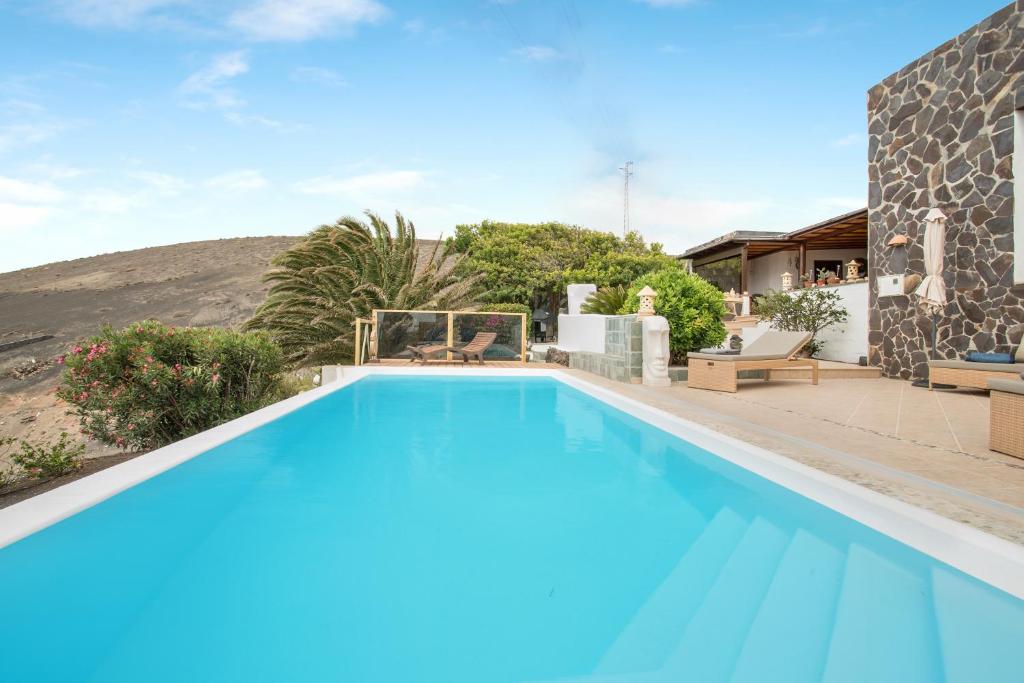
(941, 134)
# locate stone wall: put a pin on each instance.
(622, 360)
(940, 133)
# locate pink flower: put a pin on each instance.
(154, 383)
(215, 378)
(130, 426)
(76, 350)
(60, 360)
(84, 395)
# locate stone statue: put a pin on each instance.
(655, 351)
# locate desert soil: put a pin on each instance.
(215, 282)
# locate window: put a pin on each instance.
(833, 266)
(724, 274)
(1018, 196)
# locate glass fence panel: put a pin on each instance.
(398, 330)
(508, 345)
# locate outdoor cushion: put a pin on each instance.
(730, 358)
(980, 367)
(775, 343)
(979, 357)
(1009, 386)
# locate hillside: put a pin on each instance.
(214, 282)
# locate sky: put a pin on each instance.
(134, 123)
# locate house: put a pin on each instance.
(941, 134)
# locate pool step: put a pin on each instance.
(883, 610)
(789, 637)
(716, 634)
(979, 633)
(659, 623)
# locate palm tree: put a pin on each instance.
(342, 272)
(606, 300)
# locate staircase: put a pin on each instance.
(751, 602)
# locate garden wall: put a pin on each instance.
(622, 359)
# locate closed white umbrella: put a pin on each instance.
(932, 290)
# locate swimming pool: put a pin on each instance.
(467, 528)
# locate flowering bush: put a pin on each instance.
(44, 461)
(149, 385)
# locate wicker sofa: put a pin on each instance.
(963, 373)
(1006, 416)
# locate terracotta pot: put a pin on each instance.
(821, 283)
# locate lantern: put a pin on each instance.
(646, 302)
(787, 282)
(852, 270)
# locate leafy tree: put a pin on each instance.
(693, 307)
(807, 310)
(532, 263)
(342, 272)
(606, 300)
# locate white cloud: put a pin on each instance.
(675, 221)
(116, 13)
(537, 53)
(294, 20)
(17, 216)
(318, 75)
(163, 184)
(55, 170)
(414, 26)
(238, 181)
(12, 189)
(108, 201)
(368, 182)
(208, 87)
(847, 140)
(19, 134)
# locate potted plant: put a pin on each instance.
(822, 276)
(806, 280)
(832, 279)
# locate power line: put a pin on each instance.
(627, 171)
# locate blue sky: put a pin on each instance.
(133, 123)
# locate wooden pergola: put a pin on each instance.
(848, 231)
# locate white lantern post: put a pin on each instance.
(852, 270)
(646, 302)
(787, 282)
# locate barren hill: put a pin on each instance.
(215, 282)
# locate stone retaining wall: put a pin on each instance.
(940, 134)
(622, 360)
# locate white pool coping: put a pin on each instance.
(987, 557)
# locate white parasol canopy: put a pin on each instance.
(932, 290)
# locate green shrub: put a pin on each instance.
(693, 307)
(808, 310)
(149, 385)
(606, 300)
(44, 461)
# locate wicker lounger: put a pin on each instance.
(974, 375)
(474, 349)
(773, 350)
(1006, 416)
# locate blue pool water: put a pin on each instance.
(482, 530)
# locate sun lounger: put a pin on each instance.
(1006, 416)
(474, 349)
(773, 350)
(964, 373)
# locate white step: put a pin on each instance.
(658, 625)
(883, 628)
(789, 638)
(714, 637)
(981, 629)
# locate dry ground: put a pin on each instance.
(214, 282)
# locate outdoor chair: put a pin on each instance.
(962, 373)
(1006, 416)
(773, 350)
(474, 349)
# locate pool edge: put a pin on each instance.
(986, 557)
